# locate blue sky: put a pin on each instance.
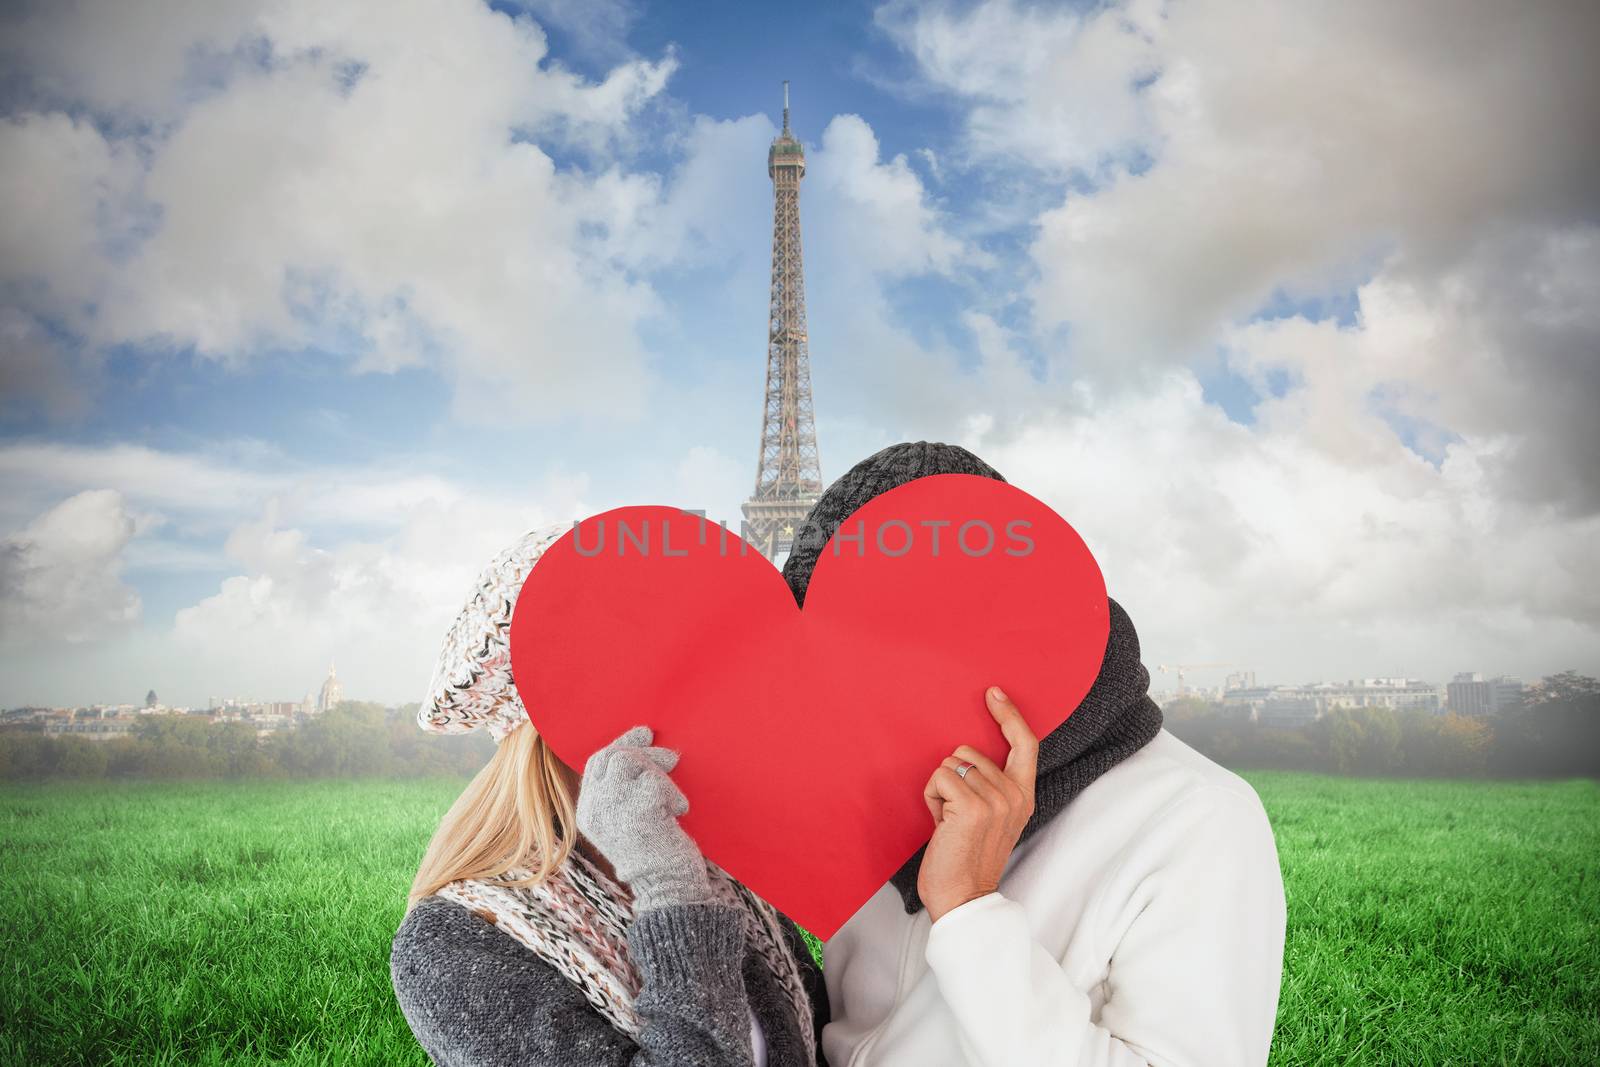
(306, 312)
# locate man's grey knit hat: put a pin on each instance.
(880, 472)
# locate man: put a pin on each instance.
(1108, 897)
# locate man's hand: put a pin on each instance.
(977, 818)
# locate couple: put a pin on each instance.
(1107, 897)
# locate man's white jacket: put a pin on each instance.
(1143, 924)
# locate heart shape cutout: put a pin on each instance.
(806, 736)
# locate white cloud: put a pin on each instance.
(207, 490)
(64, 199)
(1498, 350)
(1361, 127)
(60, 576)
(36, 370)
(361, 183)
(897, 231)
(1050, 86)
(1444, 169)
(1297, 150)
(871, 225)
(710, 481)
(597, 28)
(1257, 545)
(366, 565)
(377, 604)
(376, 598)
(130, 62)
(711, 209)
(1416, 490)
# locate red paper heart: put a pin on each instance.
(807, 736)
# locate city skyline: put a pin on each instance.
(1234, 681)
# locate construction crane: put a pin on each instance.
(1179, 668)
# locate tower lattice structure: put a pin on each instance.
(788, 473)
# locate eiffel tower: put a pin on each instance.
(788, 474)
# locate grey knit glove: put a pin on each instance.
(628, 807)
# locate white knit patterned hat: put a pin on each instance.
(472, 684)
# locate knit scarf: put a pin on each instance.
(577, 921)
(1115, 720)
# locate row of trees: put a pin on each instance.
(356, 739)
(1554, 731)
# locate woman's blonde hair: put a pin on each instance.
(517, 812)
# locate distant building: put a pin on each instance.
(96, 729)
(1247, 701)
(1396, 694)
(1475, 695)
(1241, 680)
(1288, 705)
(331, 693)
(1284, 708)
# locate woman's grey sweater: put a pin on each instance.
(477, 998)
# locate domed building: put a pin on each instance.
(331, 693)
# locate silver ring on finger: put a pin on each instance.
(961, 771)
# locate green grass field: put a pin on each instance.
(1429, 922)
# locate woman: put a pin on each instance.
(563, 920)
